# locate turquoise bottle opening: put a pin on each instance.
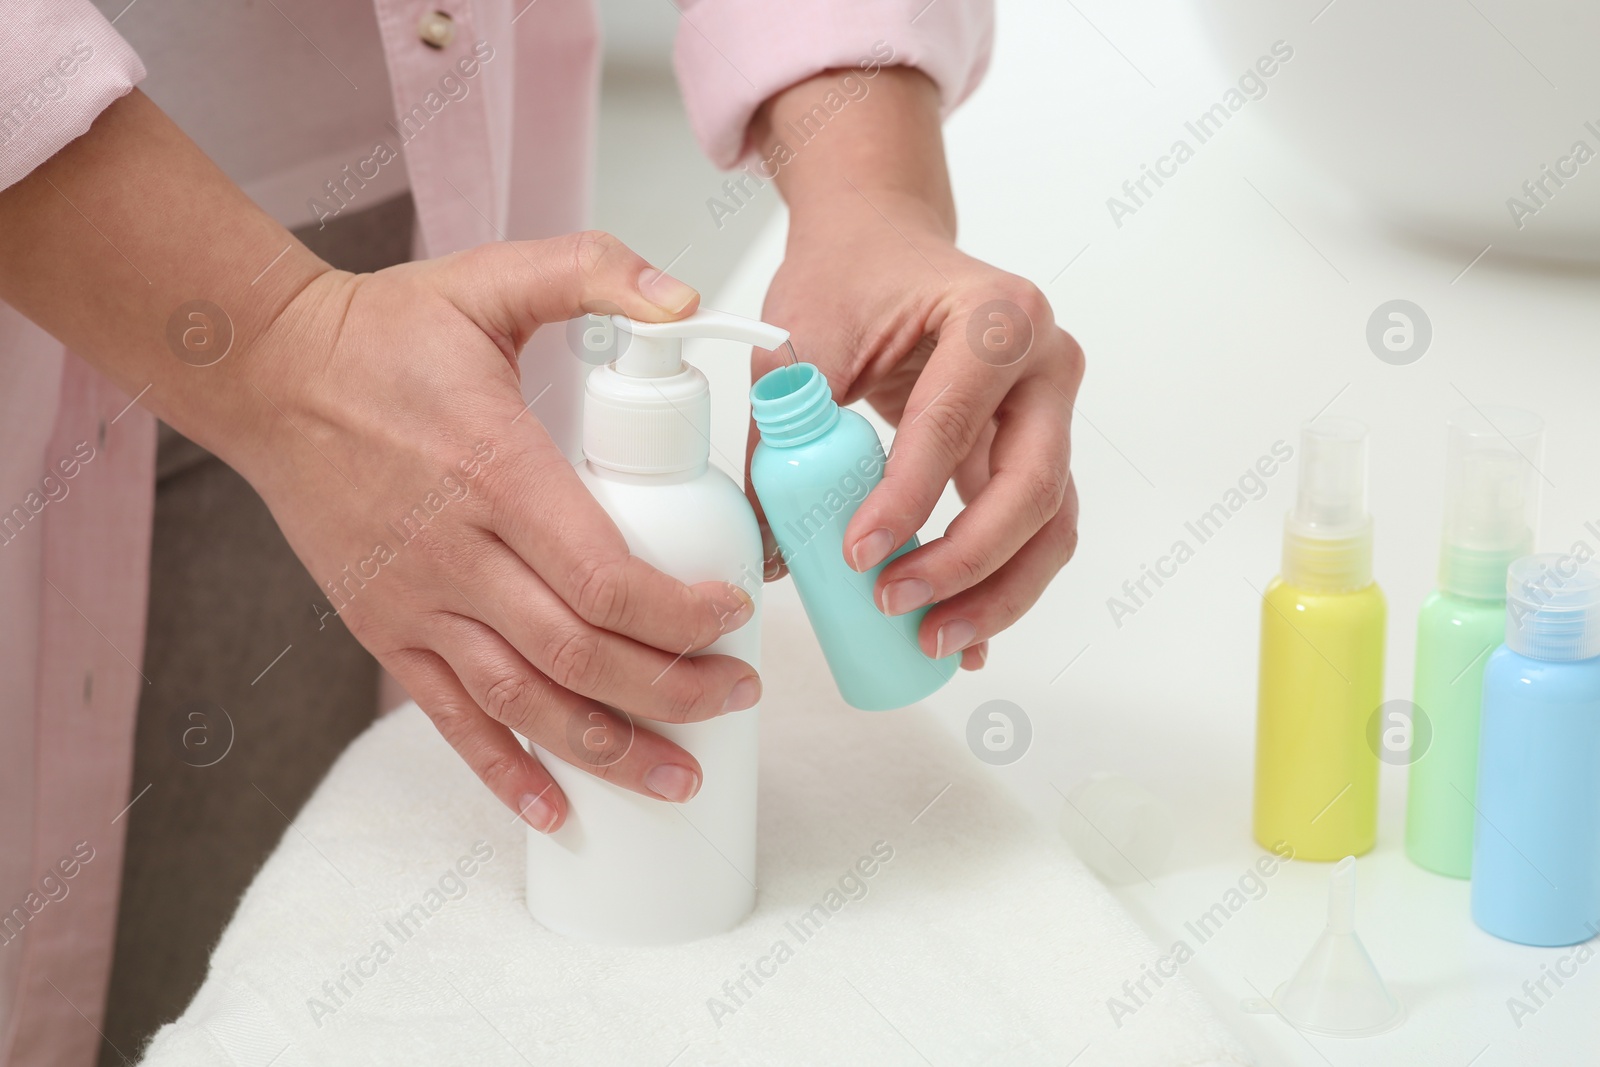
(793, 405)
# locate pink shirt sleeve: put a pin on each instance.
(61, 64)
(732, 55)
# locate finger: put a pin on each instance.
(667, 686)
(511, 288)
(542, 510)
(952, 402)
(1029, 457)
(971, 617)
(577, 730)
(488, 747)
(773, 565)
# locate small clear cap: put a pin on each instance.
(1333, 477)
(1553, 607)
(1491, 499)
(1120, 829)
(1328, 535)
(1337, 992)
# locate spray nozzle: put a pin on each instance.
(1491, 498)
(1333, 477)
(1327, 544)
(655, 349)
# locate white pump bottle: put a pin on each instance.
(626, 869)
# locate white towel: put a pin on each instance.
(976, 939)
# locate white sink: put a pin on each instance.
(1434, 113)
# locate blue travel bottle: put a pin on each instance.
(814, 465)
(1536, 844)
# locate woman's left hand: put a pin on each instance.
(967, 362)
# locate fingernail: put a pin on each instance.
(953, 636)
(665, 291)
(907, 594)
(537, 812)
(744, 694)
(978, 655)
(872, 549)
(672, 782)
(771, 557)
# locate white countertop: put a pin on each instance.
(1225, 312)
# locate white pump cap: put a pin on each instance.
(1327, 538)
(649, 412)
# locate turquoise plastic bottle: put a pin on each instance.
(1536, 848)
(1491, 505)
(814, 465)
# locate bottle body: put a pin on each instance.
(1536, 848)
(1321, 679)
(1455, 635)
(809, 491)
(628, 869)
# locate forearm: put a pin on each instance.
(884, 142)
(107, 240)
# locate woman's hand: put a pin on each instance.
(381, 418)
(963, 358)
(455, 539)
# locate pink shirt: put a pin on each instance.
(76, 472)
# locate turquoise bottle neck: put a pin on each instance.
(793, 405)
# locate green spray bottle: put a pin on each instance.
(1490, 512)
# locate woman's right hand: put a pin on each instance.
(348, 401)
(456, 540)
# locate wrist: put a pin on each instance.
(223, 405)
(863, 212)
(848, 142)
(275, 367)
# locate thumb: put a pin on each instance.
(511, 288)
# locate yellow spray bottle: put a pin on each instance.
(1322, 629)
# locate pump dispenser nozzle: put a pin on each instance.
(655, 349)
(1327, 538)
(649, 412)
(1491, 499)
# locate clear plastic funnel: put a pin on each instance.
(1337, 992)
(1491, 501)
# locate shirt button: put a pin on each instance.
(437, 29)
